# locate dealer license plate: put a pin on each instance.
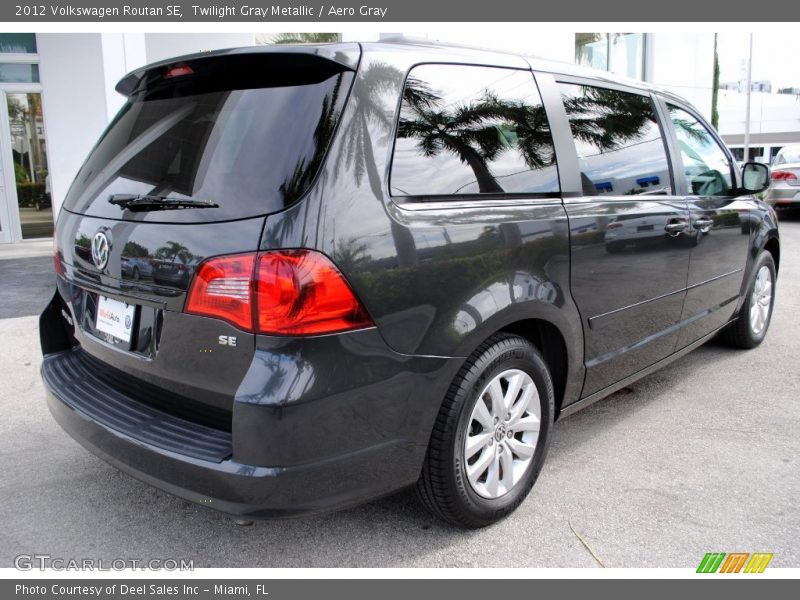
(115, 318)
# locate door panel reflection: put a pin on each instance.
(628, 280)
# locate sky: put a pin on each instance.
(774, 58)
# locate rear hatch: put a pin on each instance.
(204, 148)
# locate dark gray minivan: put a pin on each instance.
(363, 267)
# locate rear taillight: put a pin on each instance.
(783, 176)
(222, 288)
(300, 292)
(289, 292)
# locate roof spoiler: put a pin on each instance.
(326, 57)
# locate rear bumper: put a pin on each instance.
(784, 195)
(236, 488)
(291, 450)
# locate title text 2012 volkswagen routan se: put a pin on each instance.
(371, 266)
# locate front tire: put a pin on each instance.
(491, 436)
(750, 327)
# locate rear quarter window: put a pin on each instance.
(466, 130)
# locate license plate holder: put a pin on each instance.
(115, 318)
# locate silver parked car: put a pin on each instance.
(784, 189)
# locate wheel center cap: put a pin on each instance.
(500, 432)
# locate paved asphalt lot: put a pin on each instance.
(702, 456)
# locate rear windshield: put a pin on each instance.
(251, 151)
(788, 156)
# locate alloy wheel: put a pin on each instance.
(502, 433)
(761, 300)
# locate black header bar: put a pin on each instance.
(377, 11)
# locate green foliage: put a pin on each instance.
(21, 174)
(306, 38)
(715, 88)
(134, 250)
(29, 194)
(83, 241)
(728, 219)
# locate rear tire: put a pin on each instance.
(750, 327)
(506, 374)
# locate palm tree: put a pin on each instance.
(476, 132)
(479, 131)
(693, 129)
(172, 250)
(351, 255)
(606, 118)
(371, 118)
(471, 132)
(530, 125)
(304, 171)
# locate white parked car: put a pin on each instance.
(784, 188)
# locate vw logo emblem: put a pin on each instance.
(100, 249)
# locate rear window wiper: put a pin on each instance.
(136, 202)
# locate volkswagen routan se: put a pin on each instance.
(365, 267)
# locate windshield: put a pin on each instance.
(249, 151)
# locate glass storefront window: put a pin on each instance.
(29, 151)
(627, 55)
(19, 73)
(591, 50)
(621, 53)
(18, 43)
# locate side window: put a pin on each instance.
(472, 130)
(620, 148)
(705, 164)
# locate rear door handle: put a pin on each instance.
(675, 229)
(702, 223)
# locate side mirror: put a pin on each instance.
(755, 178)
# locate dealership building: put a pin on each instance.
(58, 96)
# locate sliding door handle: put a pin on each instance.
(702, 223)
(675, 229)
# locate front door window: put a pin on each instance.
(705, 164)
